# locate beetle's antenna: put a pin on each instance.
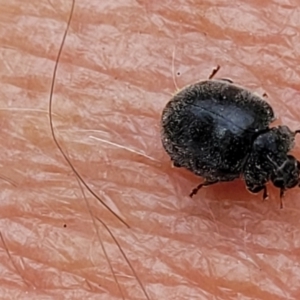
(273, 162)
(297, 131)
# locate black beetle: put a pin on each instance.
(220, 131)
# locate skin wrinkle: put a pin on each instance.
(122, 62)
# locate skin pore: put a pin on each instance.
(115, 73)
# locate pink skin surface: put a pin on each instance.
(120, 64)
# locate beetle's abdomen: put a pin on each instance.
(210, 130)
(204, 142)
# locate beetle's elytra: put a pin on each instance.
(221, 132)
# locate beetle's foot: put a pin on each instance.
(195, 190)
(257, 189)
(282, 192)
(265, 194)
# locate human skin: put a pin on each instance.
(120, 64)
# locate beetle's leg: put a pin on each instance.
(297, 131)
(175, 164)
(214, 72)
(257, 189)
(205, 183)
(282, 192)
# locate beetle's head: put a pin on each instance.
(286, 175)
